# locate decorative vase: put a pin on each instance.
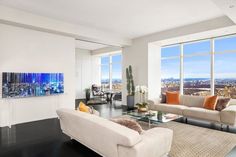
(130, 101)
(159, 116)
(142, 109)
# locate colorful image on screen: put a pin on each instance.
(19, 85)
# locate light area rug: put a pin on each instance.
(194, 141)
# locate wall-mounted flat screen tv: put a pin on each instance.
(19, 85)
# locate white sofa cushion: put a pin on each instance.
(97, 133)
(170, 108)
(192, 101)
(202, 113)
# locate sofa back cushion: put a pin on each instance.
(232, 102)
(100, 134)
(192, 101)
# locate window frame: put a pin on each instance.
(110, 65)
(212, 54)
(174, 57)
(196, 54)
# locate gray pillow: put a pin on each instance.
(129, 123)
(163, 98)
(222, 103)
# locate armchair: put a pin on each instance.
(96, 91)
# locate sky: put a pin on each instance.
(199, 66)
(116, 67)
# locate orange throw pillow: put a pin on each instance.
(172, 97)
(84, 108)
(210, 102)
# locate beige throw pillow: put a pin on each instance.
(129, 123)
(222, 103)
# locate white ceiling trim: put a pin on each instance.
(230, 30)
(106, 50)
(24, 19)
(88, 45)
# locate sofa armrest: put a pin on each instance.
(228, 115)
(152, 102)
(155, 142)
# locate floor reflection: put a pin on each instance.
(8, 136)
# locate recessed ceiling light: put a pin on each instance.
(231, 6)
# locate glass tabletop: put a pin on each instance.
(153, 116)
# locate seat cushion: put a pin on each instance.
(202, 113)
(175, 109)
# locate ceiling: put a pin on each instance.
(126, 18)
(88, 45)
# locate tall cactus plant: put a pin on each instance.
(130, 81)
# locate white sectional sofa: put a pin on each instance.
(192, 107)
(110, 139)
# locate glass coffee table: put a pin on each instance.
(151, 116)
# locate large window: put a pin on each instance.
(225, 67)
(205, 67)
(111, 72)
(105, 72)
(116, 72)
(170, 66)
(197, 68)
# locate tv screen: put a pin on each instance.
(19, 85)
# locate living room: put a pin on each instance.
(117, 78)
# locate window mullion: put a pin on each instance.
(110, 72)
(212, 67)
(181, 69)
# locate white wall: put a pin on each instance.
(24, 50)
(136, 56)
(154, 71)
(87, 71)
(83, 71)
(145, 57)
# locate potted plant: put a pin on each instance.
(130, 88)
(142, 107)
(87, 94)
(142, 92)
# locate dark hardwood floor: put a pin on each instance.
(40, 139)
(45, 139)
